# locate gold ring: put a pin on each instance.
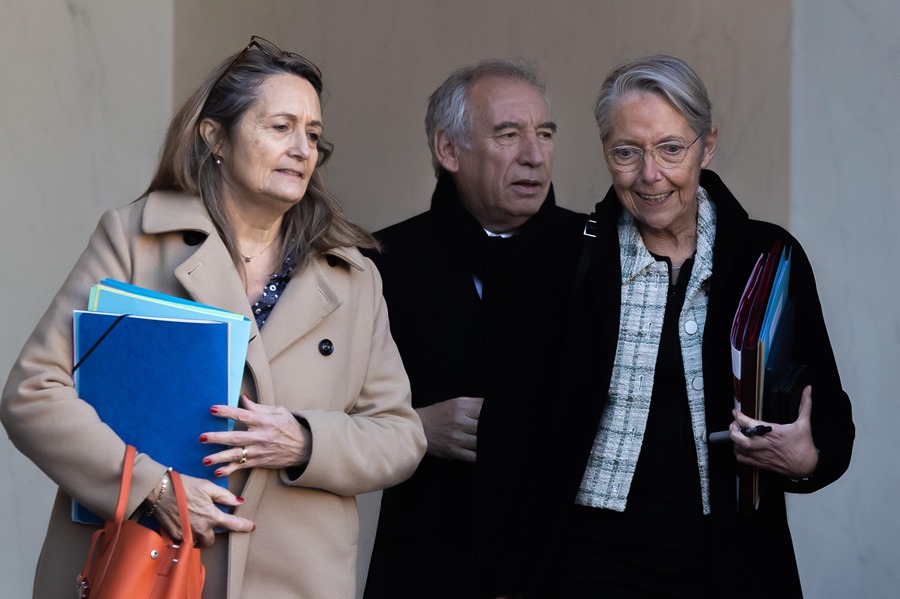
(243, 455)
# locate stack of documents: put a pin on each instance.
(151, 365)
(758, 325)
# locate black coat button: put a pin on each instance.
(193, 238)
(326, 347)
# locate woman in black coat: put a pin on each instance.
(612, 488)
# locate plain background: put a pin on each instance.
(804, 94)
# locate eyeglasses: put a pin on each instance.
(270, 50)
(668, 154)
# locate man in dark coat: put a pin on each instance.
(492, 221)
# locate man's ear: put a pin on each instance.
(212, 133)
(445, 150)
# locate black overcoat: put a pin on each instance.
(449, 340)
(541, 434)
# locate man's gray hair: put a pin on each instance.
(448, 105)
(667, 76)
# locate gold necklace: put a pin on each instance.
(258, 254)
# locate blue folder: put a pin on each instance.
(122, 298)
(153, 380)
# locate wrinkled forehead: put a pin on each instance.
(286, 91)
(495, 100)
(646, 118)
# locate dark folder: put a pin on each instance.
(760, 325)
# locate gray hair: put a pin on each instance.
(448, 105)
(667, 76)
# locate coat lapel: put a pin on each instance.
(308, 299)
(209, 276)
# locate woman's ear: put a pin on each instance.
(212, 133)
(445, 151)
(709, 149)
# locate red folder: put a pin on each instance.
(748, 361)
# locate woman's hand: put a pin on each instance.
(202, 497)
(273, 439)
(787, 449)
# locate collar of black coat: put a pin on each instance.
(730, 217)
(458, 228)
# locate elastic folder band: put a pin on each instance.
(99, 341)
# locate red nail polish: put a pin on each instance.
(219, 472)
(207, 461)
(254, 528)
(214, 410)
(239, 499)
(203, 438)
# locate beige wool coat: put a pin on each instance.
(356, 400)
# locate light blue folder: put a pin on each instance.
(122, 298)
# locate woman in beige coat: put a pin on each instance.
(237, 217)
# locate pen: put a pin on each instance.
(755, 431)
(719, 437)
(749, 431)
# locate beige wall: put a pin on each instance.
(85, 89)
(88, 87)
(381, 60)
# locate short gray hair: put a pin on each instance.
(667, 76)
(448, 105)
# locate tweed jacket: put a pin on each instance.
(530, 507)
(356, 401)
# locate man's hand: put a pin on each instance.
(451, 427)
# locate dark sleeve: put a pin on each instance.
(521, 485)
(832, 420)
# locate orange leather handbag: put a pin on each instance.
(127, 560)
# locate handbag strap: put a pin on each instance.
(181, 499)
(111, 528)
(177, 487)
(187, 543)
